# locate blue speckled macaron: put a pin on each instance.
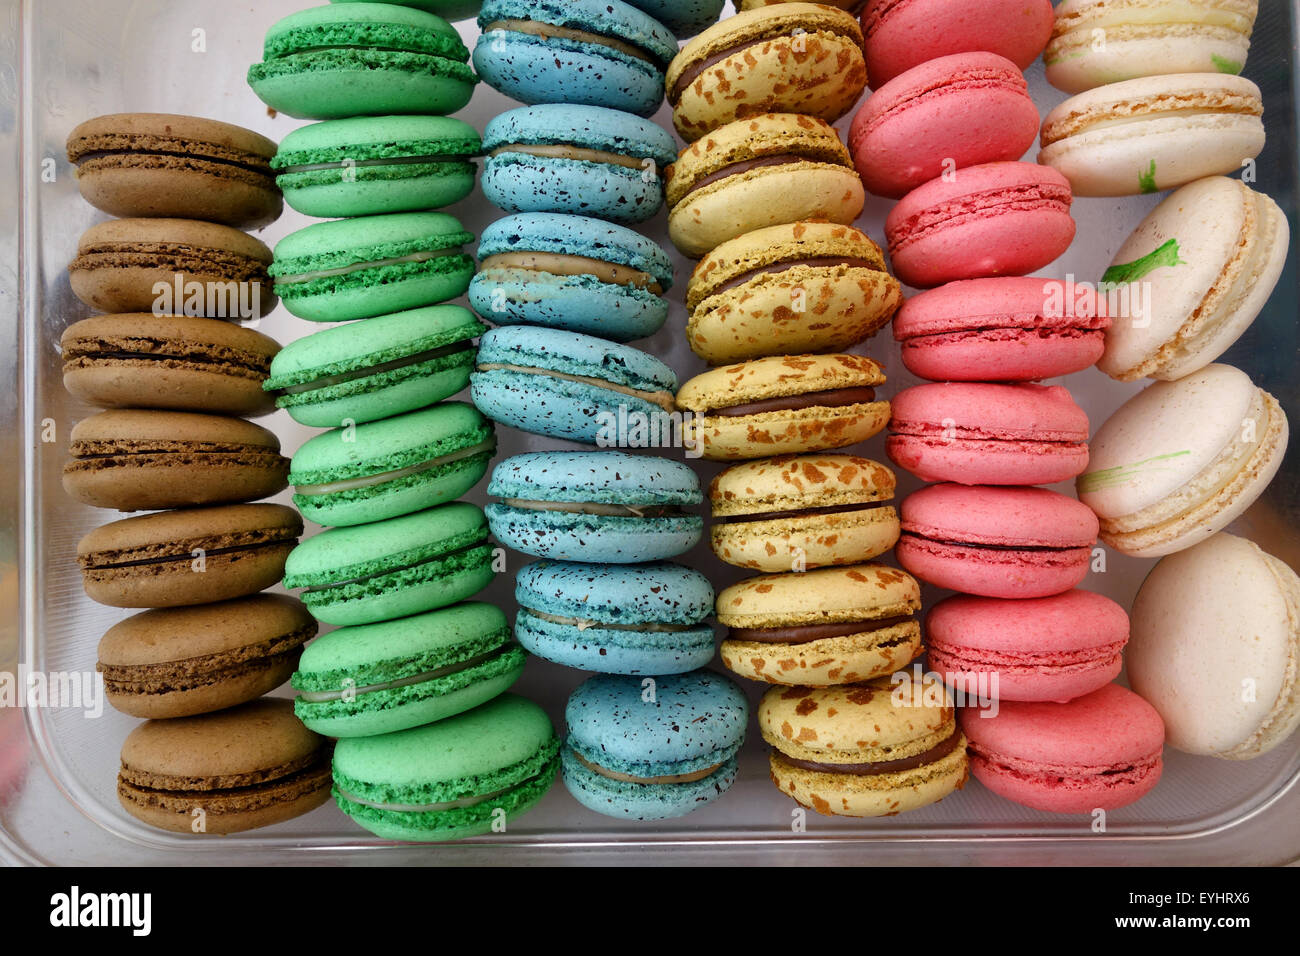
(684, 17)
(643, 750)
(571, 386)
(599, 506)
(585, 160)
(605, 53)
(615, 618)
(573, 273)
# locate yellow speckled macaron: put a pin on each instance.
(783, 405)
(762, 171)
(866, 750)
(821, 628)
(800, 512)
(790, 57)
(786, 289)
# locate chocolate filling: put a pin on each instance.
(188, 556)
(745, 165)
(255, 165)
(935, 753)
(832, 398)
(807, 633)
(809, 513)
(816, 262)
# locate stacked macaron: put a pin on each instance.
(174, 379)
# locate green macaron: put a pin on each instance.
(353, 475)
(359, 268)
(362, 59)
(367, 165)
(379, 678)
(388, 569)
(461, 777)
(365, 371)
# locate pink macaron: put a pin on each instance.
(996, 219)
(1011, 329)
(901, 34)
(956, 111)
(1101, 751)
(1054, 648)
(997, 542)
(983, 434)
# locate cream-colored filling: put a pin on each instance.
(364, 163)
(576, 507)
(321, 696)
(549, 31)
(629, 778)
(581, 153)
(582, 624)
(460, 804)
(359, 266)
(1170, 106)
(563, 264)
(663, 399)
(366, 481)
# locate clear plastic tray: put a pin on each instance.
(62, 61)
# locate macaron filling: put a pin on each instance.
(1061, 777)
(585, 624)
(832, 398)
(194, 672)
(1006, 199)
(582, 154)
(230, 793)
(811, 512)
(381, 368)
(422, 256)
(1169, 105)
(807, 633)
(463, 803)
(323, 696)
(879, 767)
(173, 257)
(485, 449)
(548, 31)
(943, 654)
(746, 165)
(663, 399)
(405, 568)
(657, 780)
(131, 451)
(565, 264)
(413, 160)
(246, 364)
(812, 262)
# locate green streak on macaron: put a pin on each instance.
(1166, 256)
(1147, 179)
(1224, 65)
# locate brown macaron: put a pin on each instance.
(234, 770)
(175, 362)
(176, 662)
(179, 558)
(184, 167)
(135, 460)
(173, 267)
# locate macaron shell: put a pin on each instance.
(684, 17)
(826, 663)
(640, 801)
(582, 304)
(787, 433)
(815, 541)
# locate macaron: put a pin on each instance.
(607, 507)
(986, 434)
(140, 165)
(362, 59)
(387, 569)
(465, 776)
(901, 34)
(573, 273)
(201, 268)
(652, 758)
(584, 52)
(1101, 751)
(852, 6)
(1221, 674)
(783, 405)
(382, 367)
(790, 58)
(358, 268)
(955, 111)
(235, 770)
(799, 512)
(567, 385)
(1146, 38)
(789, 289)
(1181, 460)
(172, 362)
(996, 542)
(177, 662)
(368, 165)
(821, 628)
(1198, 270)
(1153, 133)
(865, 750)
(380, 678)
(615, 618)
(684, 17)
(393, 466)
(1009, 329)
(1051, 648)
(997, 219)
(582, 160)
(762, 171)
(137, 460)
(195, 556)
(447, 9)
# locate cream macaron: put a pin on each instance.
(1153, 133)
(783, 405)
(821, 628)
(1224, 675)
(1181, 460)
(867, 750)
(1198, 269)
